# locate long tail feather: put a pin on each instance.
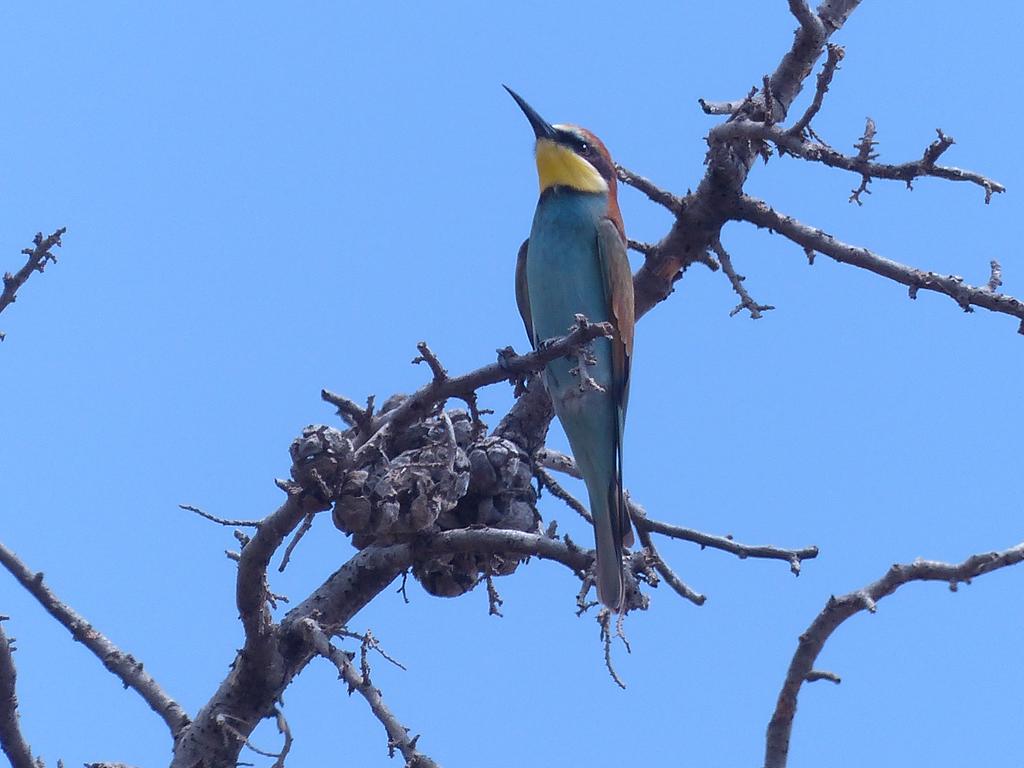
(609, 548)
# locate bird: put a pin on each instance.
(574, 263)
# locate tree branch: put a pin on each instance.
(248, 694)
(509, 366)
(11, 740)
(560, 462)
(38, 257)
(736, 280)
(759, 213)
(654, 193)
(763, 551)
(398, 734)
(127, 669)
(670, 576)
(863, 162)
(838, 610)
(730, 162)
(835, 55)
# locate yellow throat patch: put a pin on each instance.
(557, 165)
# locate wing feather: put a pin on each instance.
(523, 291)
(618, 286)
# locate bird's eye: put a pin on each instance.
(584, 147)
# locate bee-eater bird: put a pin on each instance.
(575, 263)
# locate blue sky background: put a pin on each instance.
(263, 200)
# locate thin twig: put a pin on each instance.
(224, 721)
(746, 302)
(670, 576)
(307, 523)
(398, 734)
(560, 462)
(220, 520)
(655, 193)
(792, 556)
(604, 620)
(835, 55)
(494, 601)
(127, 669)
(967, 296)
(838, 610)
(865, 147)
(547, 481)
(38, 257)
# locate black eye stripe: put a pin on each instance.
(576, 142)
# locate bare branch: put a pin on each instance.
(264, 672)
(354, 415)
(967, 296)
(730, 162)
(793, 556)
(121, 664)
(835, 55)
(509, 366)
(220, 520)
(863, 162)
(251, 585)
(11, 740)
(307, 523)
(427, 356)
(547, 481)
(560, 462)
(670, 576)
(654, 193)
(838, 610)
(398, 734)
(604, 620)
(38, 257)
(746, 302)
(224, 721)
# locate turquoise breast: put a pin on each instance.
(563, 272)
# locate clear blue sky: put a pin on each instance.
(265, 200)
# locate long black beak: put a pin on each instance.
(541, 127)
